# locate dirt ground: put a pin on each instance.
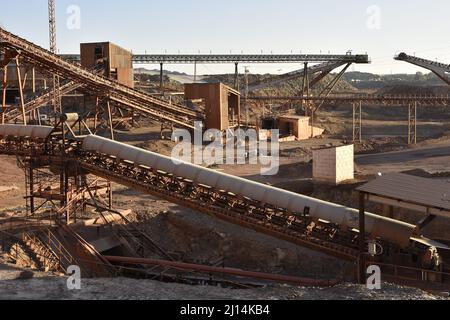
(19, 284)
(12, 179)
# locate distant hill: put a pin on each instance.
(363, 80)
(180, 77)
(441, 90)
(287, 88)
(419, 83)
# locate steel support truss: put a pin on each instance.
(357, 122)
(412, 123)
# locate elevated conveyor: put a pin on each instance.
(439, 69)
(311, 223)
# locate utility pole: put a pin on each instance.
(53, 49)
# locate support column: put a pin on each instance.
(66, 192)
(246, 92)
(97, 101)
(33, 79)
(31, 186)
(110, 196)
(195, 72)
(305, 89)
(4, 86)
(24, 81)
(57, 106)
(357, 122)
(161, 77)
(412, 123)
(22, 102)
(110, 120)
(38, 113)
(362, 272)
(62, 192)
(236, 76)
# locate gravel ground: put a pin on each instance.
(17, 284)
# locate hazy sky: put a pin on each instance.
(381, 28)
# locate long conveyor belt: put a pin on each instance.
(133, 99)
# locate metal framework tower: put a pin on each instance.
(412, 123)
(52, 25)
(357, 121)
(53, 49)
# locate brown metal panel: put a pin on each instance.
(218, 101)
(125, 76)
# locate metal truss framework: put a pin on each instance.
(295, 227)
(316, 73)
(195, 59)
(357, 101)
(97, 85)
(239, 58)
(298, 228)
(357, 122)
(377, 100)
(441, 70)
(412, 123)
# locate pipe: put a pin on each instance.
(377, 226)
(227, 271)
(18, 130)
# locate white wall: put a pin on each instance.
(334, 165)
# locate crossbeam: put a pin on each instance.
(238, 58)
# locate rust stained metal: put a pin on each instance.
(131, 99)
(224, 271)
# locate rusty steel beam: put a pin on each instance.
(329, 88)
(387, 100)
(22, 101)
(4, 87)
(223, 271)
(303, 230)
(41, 100)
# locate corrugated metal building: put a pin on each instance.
(116, 61)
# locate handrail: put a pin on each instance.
(61, 249)
(396, 269)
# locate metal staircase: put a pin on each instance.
(44, 250)
(89, 260)
(44, 256)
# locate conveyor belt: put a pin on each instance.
(441, 70)
(43, 99)
(143, 103)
